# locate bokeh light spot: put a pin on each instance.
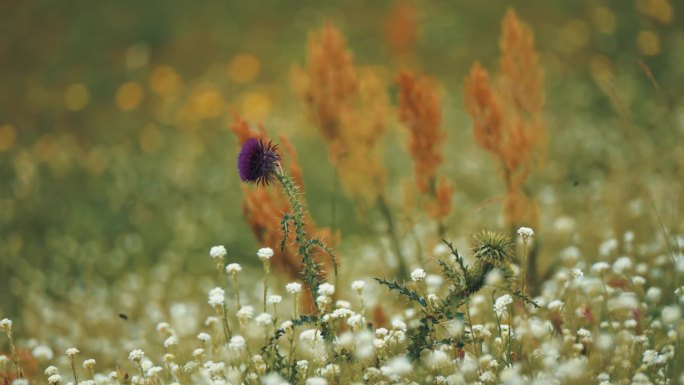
(648, 43)
(604, 20)
(150, 138)
(206, 102)
(8, 137)
(129, 96)
(76, 97)
(244, 68)
(164, 81)
(255, 106)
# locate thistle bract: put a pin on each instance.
(257, 161)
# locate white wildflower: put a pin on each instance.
(607, 247)
(233, 269)
(358, 285)
(398, 366)
(204, 337)
(356, 322)
(599, 267)
(310, 335)
(418, 275)
(54, 379)
(555, 305)
(287, 326)
(316, 381)
(171, 341)
(293, 287)
(6, 325)
(71, 352)
(198, 353)
(42, 352)
(217, 297)
(671, 315)
(326, 289)
(245, 313)
(237, 343)
(342, 304)
(398, 324)
(501, 304)
(89, 364)
(653, 295)
(274, 299)
(136, 355)
(218, 252)
(264, 319)
(525, 233)
(265, 254)
(51, 370)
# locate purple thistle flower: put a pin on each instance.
(258, 161)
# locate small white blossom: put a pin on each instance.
(265, 254)
(356, 322)
(316, 381)
(51, 370)
(245, 313)
(599, 267)
(42, 352)
(310, 335)
(326, 289)
(217, 297)
(233, 268)
(398, 325)
(171, 341)
(525, 233)
(198, 353)
(293, 287)
(501, 304)
(418, 275)
(274, 299)
(6, 324)
(136, 355)
(237, 343)
(54, 379)
(218, 252)
(71, 352)
(89, 364)
(358, 285)
(204, 337)
(287, 326)
(264, 319)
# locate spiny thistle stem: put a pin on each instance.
(311, 269)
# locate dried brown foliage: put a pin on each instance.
(349, 106)
(263, 207)
(420, 112)
(507, 117)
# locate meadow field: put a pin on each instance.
(342, 192)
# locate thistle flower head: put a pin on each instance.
(258, 161)
(493, 248)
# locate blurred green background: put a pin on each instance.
(115, 153)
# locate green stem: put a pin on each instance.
(391, 230)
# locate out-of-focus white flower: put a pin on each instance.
(42, 352)
(265, 254)
(136, 355)
(217, 297)
(358, 285)
(6, 324)
(310, 335)
(526, 233)
(556, 305)
(418, 275)
(198, 353)
(237, 343)
(204, 337)
(356, 322)
(397, 366)
(607, 247)
(287, 326)
(501, 304)
(316, 381)
(264, 319)
(398, 325)
(54, 379)
(89, 364)
(671, 314)
(653, 294)
(293, 287)
(326, 289)
(599, 267)
(274, 299)
(218, 252)
(171, 341)
(245, 313)
(51, 370)
(71, 352)
(233, 268)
